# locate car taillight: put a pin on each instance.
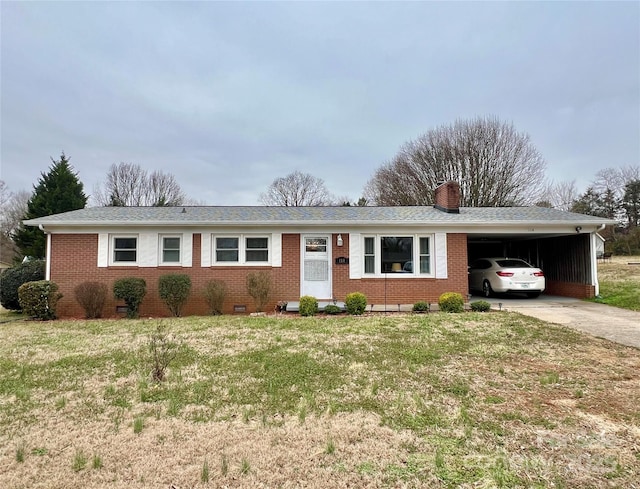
(538, 274)
(505, 274)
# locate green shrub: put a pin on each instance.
(451, 302)
(259, 287)
(92, 297)
(174, 290)
(421, 306)
(13, 278)
(308, 305)
(215, 292)
(480, 306)
(39, 299)
(131, 290)
(332, 309)
(356, 303)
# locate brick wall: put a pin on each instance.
(74, 260)
(567, 289)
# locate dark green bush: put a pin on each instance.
(174, 290)
(421, 306)
(480, 306)
(39, 299)
(131, 290)
(332, 309)
(215, 292)
(451, 302)
(92, 297)
(308, 305)
(356, 303)
(259, 287)
(13, 278)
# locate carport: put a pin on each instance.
(567, 259)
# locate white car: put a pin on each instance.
(500, 275)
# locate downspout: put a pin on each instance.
(47, 263)
(594, 260)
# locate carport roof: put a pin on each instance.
(288, 216)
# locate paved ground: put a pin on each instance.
(599, 320)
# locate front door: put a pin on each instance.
(316, 266)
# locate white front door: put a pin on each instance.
(316, 266)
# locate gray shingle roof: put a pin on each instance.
(260, 215)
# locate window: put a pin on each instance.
(257, 249)
(170, 249)
(125, 249)
(396, 255)
(425, 256)
(369, 255)
(227, 249)
(241, 249)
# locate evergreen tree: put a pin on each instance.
(631, 203)
(57, 191)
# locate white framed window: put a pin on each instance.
(396, 255)
(241, 250)
(124, 250)
(170, 250)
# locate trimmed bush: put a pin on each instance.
(356, 303)
(92, 297)
(451, 302)
(39, 299)
(259, 287)
(421, 306)
(308, 305)
(174, 290)
(215, 292)
(13, 278)
(131, 290)
(332, 309)
(480, 306)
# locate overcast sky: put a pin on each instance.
(228, 96)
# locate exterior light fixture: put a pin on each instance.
(339, 240)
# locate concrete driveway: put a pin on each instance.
(599, 320)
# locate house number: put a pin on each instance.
(342, 260)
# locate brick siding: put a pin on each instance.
(74, 260)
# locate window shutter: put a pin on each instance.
(187, 249)
(276, 250)
(355, 256)
(205, 250)
(441, 255)
(103, 250)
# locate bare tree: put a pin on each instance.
(129, 185)
(13, 208)
(615, 179)
(295, 190)
(561, 195)
(494, 164)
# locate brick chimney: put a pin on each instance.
(448, 197)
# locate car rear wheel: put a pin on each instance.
(486, 289)
(533, 295)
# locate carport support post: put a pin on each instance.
(594, 264)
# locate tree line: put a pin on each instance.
(494, 164)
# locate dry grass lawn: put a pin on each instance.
(620, 282)
(438, 400)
